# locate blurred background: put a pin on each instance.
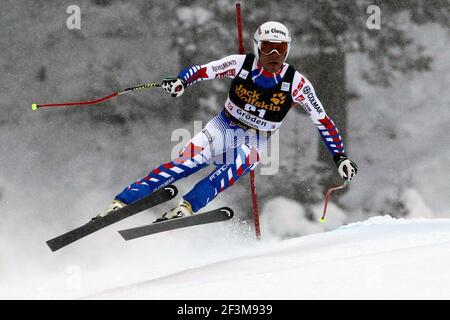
(386, 89)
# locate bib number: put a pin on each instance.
(252, 108)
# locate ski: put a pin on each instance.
(220, 214)
(157, 197)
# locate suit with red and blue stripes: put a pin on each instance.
(232, 149)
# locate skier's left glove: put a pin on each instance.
(173, 86)
(347, 168)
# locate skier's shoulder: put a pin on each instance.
(297, 74)
(301, 84)
(300, 80)
(233, 59)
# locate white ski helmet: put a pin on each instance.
(271, 31)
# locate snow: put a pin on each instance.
(380, 258)
(194, 16)
(400, 142)
(282, 217)
(416, 205)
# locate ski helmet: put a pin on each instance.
(273, 32)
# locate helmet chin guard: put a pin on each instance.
(271, 31)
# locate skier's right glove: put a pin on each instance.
(173, 86)
(347, 168)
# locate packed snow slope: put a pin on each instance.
(381, 258)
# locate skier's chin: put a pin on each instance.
(273, 66)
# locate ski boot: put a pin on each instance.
(184, 209)
(113, 206)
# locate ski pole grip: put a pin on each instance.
(141, 87)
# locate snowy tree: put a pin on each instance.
(204, 31)
(339, 28)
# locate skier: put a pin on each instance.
(263, 90)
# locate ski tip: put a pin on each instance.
(322, 220)
(34, 106)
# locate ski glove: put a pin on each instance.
(347, 168)
(173, 86)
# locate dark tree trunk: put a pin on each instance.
(326, 71)
(188, 105)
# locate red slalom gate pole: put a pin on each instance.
(255, 205)
(239, 29)
(255, 208)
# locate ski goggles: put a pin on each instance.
(268, 47)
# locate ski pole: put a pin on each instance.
(327, 198)
(35, 106)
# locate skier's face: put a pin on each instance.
(272, 62)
